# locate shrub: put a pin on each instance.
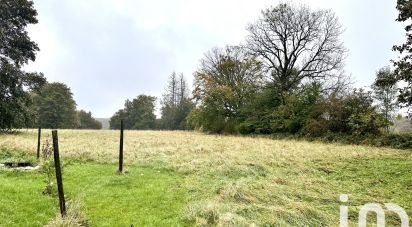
(246, 128)
(210, 120)
(315, 128)
(400, 141)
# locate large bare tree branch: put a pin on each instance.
(295, 43)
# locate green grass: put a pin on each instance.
(143, 197)
(186, 178)
(371, 180)
(21, 200)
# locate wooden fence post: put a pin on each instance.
(58, 173)
(121, 148)
(38, 142)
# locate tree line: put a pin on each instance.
(176, 104)
(287, 77)
(26, 98)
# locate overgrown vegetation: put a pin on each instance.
(12, 155)
(196, 179)
(287, 77)
(285, 81)
(47, 168)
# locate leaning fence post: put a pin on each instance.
(38, 142)
(58, 173)
(121, 148)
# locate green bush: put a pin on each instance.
(400, 141)
(207, 120)
(246, 128)
(315, 128)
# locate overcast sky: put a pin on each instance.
(109, 50)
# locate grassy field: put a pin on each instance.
(188, 178)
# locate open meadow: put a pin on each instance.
(176, 178)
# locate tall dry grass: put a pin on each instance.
(235, 181)
(192, 150)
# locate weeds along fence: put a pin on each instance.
(57, 164)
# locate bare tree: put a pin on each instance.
(171, 90)
(182, 89)
(296, 44)
(176, 103)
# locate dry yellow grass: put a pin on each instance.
(74, 217)
(192, 150)
(234, 181)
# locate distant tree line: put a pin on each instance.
(26, 98)
(137, 113)
(53, 106)
(286, 78)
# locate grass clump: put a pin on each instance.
(74, 217)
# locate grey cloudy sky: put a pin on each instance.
(111, 50)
